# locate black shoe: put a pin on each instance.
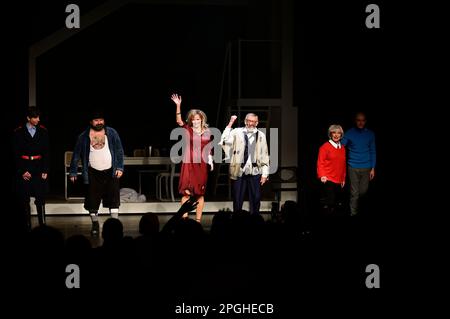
(95, 229)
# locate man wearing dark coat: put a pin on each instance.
(31, 156)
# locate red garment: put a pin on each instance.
(331, 163)
(194, 169)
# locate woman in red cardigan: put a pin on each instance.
(331, 169)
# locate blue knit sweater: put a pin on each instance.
(360, 144)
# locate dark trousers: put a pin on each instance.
(331, 196)
(240, 186)
(102, 186)
(359, 185)
(35, 187)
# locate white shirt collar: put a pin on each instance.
(335, 145)
(246, 131)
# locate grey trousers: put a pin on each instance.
(359, 185)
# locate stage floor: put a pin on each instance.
(75, 207)
(80, 224)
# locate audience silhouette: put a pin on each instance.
(241, 257)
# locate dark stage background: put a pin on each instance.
(131, 61)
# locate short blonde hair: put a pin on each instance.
(335, 128)
(202, 115)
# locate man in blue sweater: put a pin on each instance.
(361, 160)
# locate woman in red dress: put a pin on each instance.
(196, 157)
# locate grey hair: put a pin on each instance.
(250, 114)
(335, 128)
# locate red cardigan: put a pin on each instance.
(331, 163)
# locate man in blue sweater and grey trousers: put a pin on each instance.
(361, 159)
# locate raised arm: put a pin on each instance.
(232, 119)
(226, 140)
(187, 206)
(226, 136)
(177, 100)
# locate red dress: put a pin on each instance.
(194, 169)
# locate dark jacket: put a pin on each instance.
(82, 150)
(25, 145)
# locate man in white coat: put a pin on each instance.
(249, 164)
